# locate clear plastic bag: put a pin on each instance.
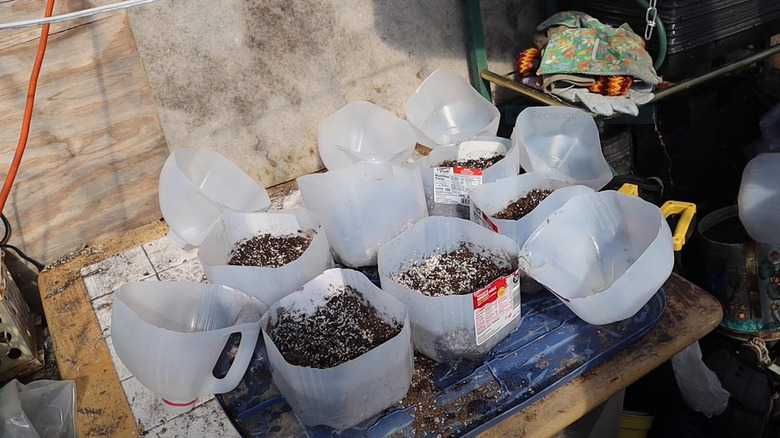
(40, 409)
(699, 386)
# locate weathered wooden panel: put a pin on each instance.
(96, 148)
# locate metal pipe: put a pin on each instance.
(520, 88)
(682, 86)
(475, 40)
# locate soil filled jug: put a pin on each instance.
(450, 173)
(298, 231)
(453, 321)
(488, 201)
(339, 349)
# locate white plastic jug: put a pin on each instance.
(170, 335)
(759, 198)
(363, 206)
(445, 109)
(604, 254)
(489, 199)
(445, 328)
(561, 143)
(456, 189)
(267, 284)
(198, 185)
(362, 131)
(358, 389)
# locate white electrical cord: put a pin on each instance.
(75, 15)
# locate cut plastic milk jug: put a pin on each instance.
(170, 335)
(445, 110)
(604, 254)
(266, 283)
(363, 206)
(759, 198)
(489, 199)
(362, 131)
(353, 391)
(447, 189)
(453, 326)
(561, 143)
(198, 185)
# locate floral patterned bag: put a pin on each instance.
(581, 45)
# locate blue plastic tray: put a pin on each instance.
(550, 347)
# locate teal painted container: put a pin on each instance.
(742, 274)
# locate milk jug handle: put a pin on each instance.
(237, 369)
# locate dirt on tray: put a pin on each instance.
(341, 330)
(433, 416)
(476, 163)
(524, 205)
(458, 272)
(269, 251)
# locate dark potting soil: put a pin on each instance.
(341, 330)
(458, 272)
(524, 205)
(269, 251)
(481, 163)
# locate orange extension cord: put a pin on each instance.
(9, 179)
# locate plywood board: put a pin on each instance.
(96, 148)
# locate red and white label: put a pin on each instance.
(495, 306)
(451, 185)
(481, 218)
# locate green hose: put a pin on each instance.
(659, 25)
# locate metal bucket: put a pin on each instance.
(742, 274)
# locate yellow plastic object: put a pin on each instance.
(629, 189)
(686, 210)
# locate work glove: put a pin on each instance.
(638, 94)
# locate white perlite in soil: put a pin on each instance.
(458, 272)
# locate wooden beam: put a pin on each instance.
(82, 354)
